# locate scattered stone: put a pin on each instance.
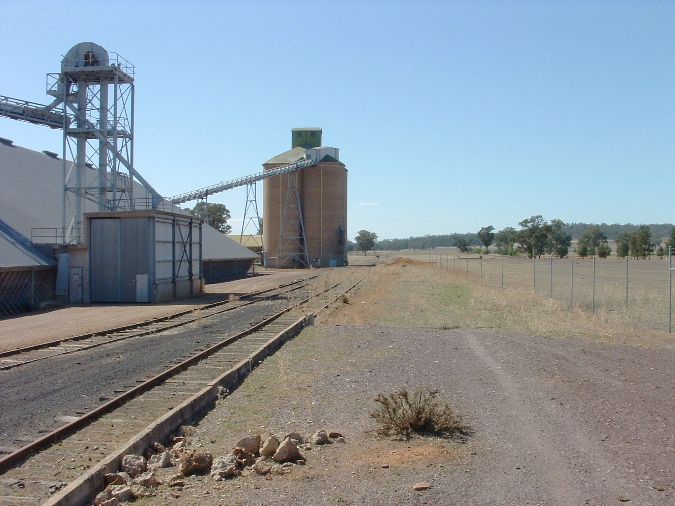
(122, 493)
(110, 502)
(243, 457)
(160, 460)
(287, 452)
(262, 467)
(222, 392)
(251, 444)
(225, 467)
(178, 448)
(270, 446)
(102, 497)
(176, 481)
(134, 465)
(385, 466)
(623, 498)
(116, 479)
(334, 435)
(295, 437)
(301, 462)
(147, 479)
(158, 447)
(278, 469)
(179, 439)
(339, 439)
(140, 491)
(422, 485)
(320, 438)
(175, 495)
(195, 462)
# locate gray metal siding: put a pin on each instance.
(105, 260)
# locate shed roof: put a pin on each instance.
(287, 157)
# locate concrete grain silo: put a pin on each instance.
(305, 212)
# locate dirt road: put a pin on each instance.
(576, 420)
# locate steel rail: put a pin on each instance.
(59, 434)
(55, 343)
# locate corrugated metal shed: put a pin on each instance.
(31, 199)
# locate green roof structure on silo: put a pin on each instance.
(305, 137)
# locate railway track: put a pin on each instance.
(22, 356)
(67, 466)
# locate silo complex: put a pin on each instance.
(305, 212)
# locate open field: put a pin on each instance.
(634, 290)
(566, 408)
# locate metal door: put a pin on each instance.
(75, 285)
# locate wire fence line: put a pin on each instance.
(640, 289)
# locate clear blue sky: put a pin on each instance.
(449, 115)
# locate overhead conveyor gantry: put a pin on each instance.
(203, 193)
(31, 112)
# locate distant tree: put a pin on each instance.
(591, 241)
(670, 243)
(365, 240)
(218, 215)
(603, 250)
(461, 243)
(505, 241)
(623, 244)
(486, 236)
(559, 240)
(660, 251)
(533, 236)
(640, 242)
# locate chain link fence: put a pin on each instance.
(25, 289)
(640, 289)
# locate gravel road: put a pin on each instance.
(556, 421)
(34, 396)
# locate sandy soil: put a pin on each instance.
(586, 418)
(45, 326)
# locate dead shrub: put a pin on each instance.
(403, 414)
(344, 299)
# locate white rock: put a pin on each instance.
(287, 452)
(251, 444)
(262, 467)
(270, 446)
(122, 493)
(160, 460)
(225, 467)
(134, 465)
(147, 479)
(320, 438)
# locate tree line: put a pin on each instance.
(536, 237)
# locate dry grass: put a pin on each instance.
(402, 414)
(422, 294)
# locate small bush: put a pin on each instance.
(344, 299)
(403, 414)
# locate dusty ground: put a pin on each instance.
(44, 326)
(565, 409)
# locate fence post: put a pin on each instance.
(572, 286)
(534, 272)
(502, 271)
(593, 302)
(551, 274)
(481, 267)
(670, 289)
(626, 281)
(467, 267)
